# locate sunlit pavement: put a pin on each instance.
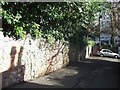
(94, 72)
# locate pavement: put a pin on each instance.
(91, 73)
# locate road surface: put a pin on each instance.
(94, 72)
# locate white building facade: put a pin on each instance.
(105, 38)
(105, 24)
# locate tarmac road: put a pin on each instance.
(94, 72)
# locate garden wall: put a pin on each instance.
(27, 59)
(23, 60)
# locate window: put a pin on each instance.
(109, 51)
(104, 50)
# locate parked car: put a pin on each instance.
(108, 53)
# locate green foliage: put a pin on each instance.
(91, 43)
(110, 46)
(97, 8)
(106, 46)
(59, 20)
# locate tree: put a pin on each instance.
(60, 20)
(115, 18)
(94, 24)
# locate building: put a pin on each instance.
(109, 26)
(105, 35)
(105, 38)
(117, 43)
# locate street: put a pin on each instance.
(37, 39)
(94, 72)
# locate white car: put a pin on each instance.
(108, 53)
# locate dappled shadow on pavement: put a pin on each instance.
(90, 73)
(30, 85)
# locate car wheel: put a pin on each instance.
(116, 56)
(101, 55)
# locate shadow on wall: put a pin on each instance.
(76, 53)
(15, 73)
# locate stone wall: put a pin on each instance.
(29, 58)
(23, 60)
(89, 51)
